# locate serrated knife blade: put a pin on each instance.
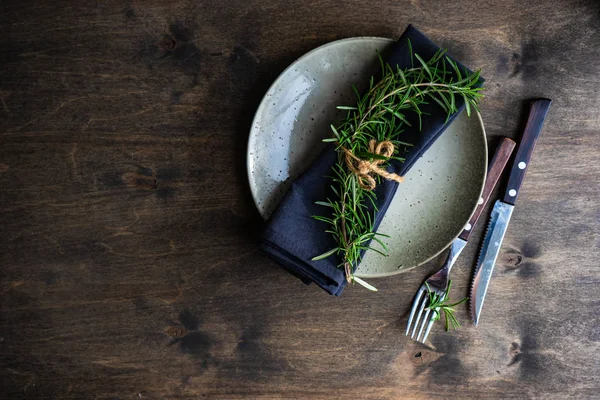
(499, 220)
(503, 209)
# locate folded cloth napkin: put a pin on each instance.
(292, 237)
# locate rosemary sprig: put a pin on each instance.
(380, 115)
(441, 303)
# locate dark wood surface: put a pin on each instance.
(129, 268)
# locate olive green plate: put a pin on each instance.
(440, 192)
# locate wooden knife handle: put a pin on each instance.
(537, 115)
(503, 152)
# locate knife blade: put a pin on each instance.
(494, 172)
(501, 156)
(503, 209)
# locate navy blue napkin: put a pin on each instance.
(292, 237)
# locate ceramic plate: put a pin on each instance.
(439, 193)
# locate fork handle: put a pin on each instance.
(503, 152)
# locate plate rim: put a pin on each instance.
(263, 102)
(252, 139)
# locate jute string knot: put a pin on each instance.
(366, 170)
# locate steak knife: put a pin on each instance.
(503, 209)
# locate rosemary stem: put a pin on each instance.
(397, 93)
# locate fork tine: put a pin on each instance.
(414, 308)
(431, 321)
(421, 308)
(425, 322)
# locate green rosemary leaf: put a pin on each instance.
(369, 218)
(323, 219)
(437, 56)
(425, 66)
(455, 67)
(346, 108)
(381, 243)
(323, 203)
(441, 103)
(372, 249)
(475, 77)
(363, 283)
(458, 302)
(399, 142)
(335, 132)
(353, 190)
(441, 303)
(325, 255)
(372, 200)
(467, 105)
(366, 154)
(402, 76)
(453, 321)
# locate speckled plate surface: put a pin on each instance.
(440, 192)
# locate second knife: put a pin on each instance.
(503, 209)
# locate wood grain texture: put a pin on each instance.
(129, 263)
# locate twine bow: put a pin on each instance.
(365, 170)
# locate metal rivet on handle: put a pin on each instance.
(468, 227)
(522, 165)
(512, 192)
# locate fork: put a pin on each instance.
(438, 282)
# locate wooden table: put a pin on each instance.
(128, 259)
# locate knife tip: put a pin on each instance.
(474, 319)
(472, 312)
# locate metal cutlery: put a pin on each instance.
(503, 209)
(438, 282)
